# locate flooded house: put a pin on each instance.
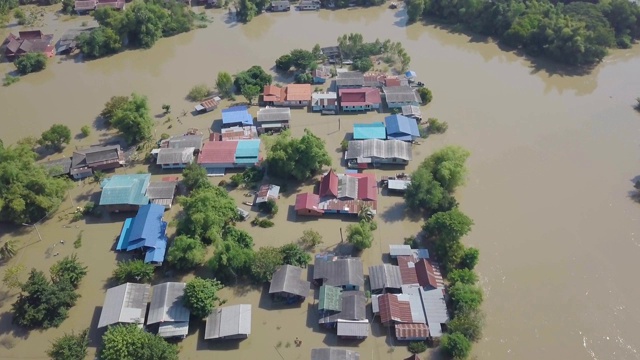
(345, 272)
(235, 133)
(385, 278)
(309, 5)
(125, 192)
(375, 152)
(67, 43)
(162, 192)
(332, 53)
(59, 167)
(183, 141)
(334, 354)
(125, 304)
(360, 99)
(236, 116)
(273, 119)
(401, 128)
(399, 96)
(175, 158)
(345, 311)
(96, 158)
(267, 192)
(412, 111)
(321, 74)
(350, 80)
(325, 102)
(29, 41)
(207, 105)
(85, 6)
(145, 233)
(167, 311)
(376, 130)
(292, 95)
(218, 156)
(278, 6)
(229, 322)
(288, 286)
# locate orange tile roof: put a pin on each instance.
(298, 92)
(273, 93)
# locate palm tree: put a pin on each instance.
(8, 250)
(365, 213)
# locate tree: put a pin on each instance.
(303, 78)
(194, 177)
(293, 254)
(317, 52)
(449, 226)
(199, 92)
(425, 95)
(456, 346)
(284, 62)
(255, 76)
(206, 212)
(114, 104)
(186, 253)
(85, 130)
(464, 276)
(470, 258)
(57, 135)
(11, 277)
(231, 261)
(310, 238)
(360, 235)
(266, 262)
(365, 213)
(133, 120)
(133, 271)
(250, 92)
(224, 84)
(200, 296)
(468, 323)
(269, 207)
(30, 62)
(246, 11)
(415, 9)
(70, 346)
(166, 109)
(8, 249)
(465, 297)
(99, 42)
(448, 166)
(238, 236)
(69, 269)
(298, 158)
(68, 6)
(417, 347)
(130, 342)
(425, 193)
(363, 65)
(302, 59)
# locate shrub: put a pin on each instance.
(31, 62)
(425, 95)
(437, 127)
(344, 145)
(200, 296)
(417, 347)
(199, 92)
(263, 223)
(269, 207)
(236, 180)
(8, 80)
(85, 130)
(133, 271)
(310, 238)
(70, 346)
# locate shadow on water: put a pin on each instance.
(95, 334)
(394, 213)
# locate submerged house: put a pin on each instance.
(267, 192)
(309, 5)
(286, 284)
(229, 322)
(399, 96)
(401, 128)
(175, 158)
(374, 130)
(334, 354)
(332, 53)
(339, 271)
(167, 311)
(292, 95)
(146, 232)
(125, 192)
(68, 42)
(218, 156)
(30, 41)
(350, 80)
(360, 99)
(125, 304)
(162, 192)
(273, 119)
(375, 152)
(236, 116)
(84, 162)
(280, 5)
(347, 313)
(324, 101)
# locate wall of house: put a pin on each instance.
(393, 105)
(122, 208)
(174, 166)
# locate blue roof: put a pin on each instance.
(125, 189)
(123, 240)
(237, 114)
(410, 74)
(247, 151)
(148, 228)
(374, 130)
(401, 128)
(156, 255)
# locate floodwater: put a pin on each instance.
(553, 162)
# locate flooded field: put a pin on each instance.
(553, 162)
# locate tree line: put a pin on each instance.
(576, 33)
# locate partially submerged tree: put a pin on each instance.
(195, 177)
(186, 253)
(360, 235)
(69, 269)
(310, 238)
(200, 296)
(206, 212)
(199, 92)
(12, 275)
(292, 254)
(55, 137)
(298, 158)
(130, 342)
(133, 271)
(70, 346)
(456, 346)
(133, 120)
(266, 262)
(31, 62)
(224, 84)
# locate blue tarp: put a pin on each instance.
(123, 241)
(410, 74)
(400, 127)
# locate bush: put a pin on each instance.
(268, 207)
(417, 347)
(344, 145)
(31, 62)
(310, 238)
(263, 223)
(437, 127)
(425, 95)
(70, 346)
(199, 92)
(236, 180)
(8, 80)
(133, 271)
(456, 346)
(200, 296)
(164, 136)
(468, 323)
(85, 130)
(68, 269)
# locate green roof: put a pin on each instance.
(330, 298)
(125, 190)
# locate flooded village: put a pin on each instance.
(553, 158)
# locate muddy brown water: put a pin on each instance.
(552, 166)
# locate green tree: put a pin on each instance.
(360, 235)
(269, 207)
(449, 226)
(85, 130)
(194, 177)
(11, 277)
(8, 249)
(70, 346)
(292, 254)
(284, 62)
(186, 253)
(470, 258)
(68, 6)
(130, 342)
(200, 296)
(231, 261)
(238, 236)
(363, 64)
(425, 95)
(199, 92)
(69, 269)
(55, 137)
(246, 11)
(99, 42)
(465, 297)
(417, 347)
(464, 276)
(224, 84)
(114, 104)
(310, 238)
(303, 78)
(415, 9)
(266, 262)
(133, 120)
(250, 92)
(456, 346)
(206, 212)
(302, 59)
(317, 52)
(448, 166)
(298, 158)
(365, 213)
(468, 323)
(425, 193)
(255, 76)
(133, 271)
(30, 62)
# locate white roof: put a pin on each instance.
(400, 250)
(126, 303)
(229, 321)
(166, 304)
(327, 95)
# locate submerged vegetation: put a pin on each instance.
(353, 47)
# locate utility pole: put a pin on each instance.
(36, 227)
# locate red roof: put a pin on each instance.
(329, 184)
(413, 331)
(367, 187)
(298, 92)
(359, 97)
(394, 310)
(218, 152)
(272, 93)
(426, 275)
(407, 270)
(307, 201)
(389, 82)
(170, 178)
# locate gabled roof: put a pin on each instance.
(237, 115)
(175, 156)
(384, 149)
(185, 141)
(426, 274)
(287, 279)
(247, 151)
(354, 305)
(166, 303)
(334, 354)
(58, 167)
(148, 228)
(298, 92)
(353, 328)
(392, 309)
(274, 114)
(125, 190)
(218, 152)
(126, 303)
(407, 270)
(411, 110)
(161, 190)
(338, 271)
(267, 192)
(350, 78)
(308, 201)
(367, 186)
(329, 184)
(401, 94)
(374, 130)
(330, 298)
(359, 97)
(400, 127)
(412, 331)
(273, 93)
(400, 250)
(385, 276)
(96, 155)
(228, 321)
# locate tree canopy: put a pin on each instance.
(55, 137)
(70, 346)
(133, 271)
(254, 76)
(195, 177)
(447, 229)
(99, 42)
(130, 342)
(200, 296)
(30, 62)
(224, 84)
(298, 158)
(465, 297)
(292, 254)
(133, 119)
(68, 269)
(353, 47)
(27, 192)
(231, 261)
(186, 253)
(266, 262)
(360, 235)
(468, 323)
(456, 346)
(206, 212)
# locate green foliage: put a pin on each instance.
(469, 258)
(68, 269)
(417, 347)
(200, 296)
(269, 207)
(27, 193)
(456, 346)
(194, 177)
(284, 62)
(425, 95)
(206, 212)
(78, 241)
(166, 109)
(9, 80)
(447, 228)
(240, 237)
(254, 76)
(263, 223)
(199, 92)
(302, 59)
(360, 235)
(246, 11)
(250, 92)
(303, 78)
(468, 323)
(465, 297)
(310, 238)
(99, 42)
(293, 254)
(133, 119)
(266, 262)
(130, 342)
(11, 276)
(298, 158)
(85, 130)
(114, 104)
(235, 180)
(344, 145)
(186, 253)
(415, 9)
(8, 249)
(31, 62)
(426, 193)
(70, 346)
(353, 47)
(55, 137)
(133, 271)
(43, 304)
(68, 7)
(362, 64)
(252, 175)
(231, 260)
(448, 166)
(98, 176)
(464, 276)
(436, 126)
(224, 84)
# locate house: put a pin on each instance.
(280, 6)
(167, 311)
(162, 193)
(84, 6)
(229, 322)
(146, 232)
(267, 192)
(85, 162)
(183, 141)
(431, 304)
(114, 4)
(399, 96)
(309, 5)
(362, 99)
(322, 73)
(273, 94)
(58, 167)
(67, 43)
(412, 111)
(329, 300)
(374, 130)
(217, 156)
(385, 278)
(404, 312)
(340, 194)
(293, 95)
(401, 128)
(429, 276)
(332, 53)
(207, 105)
(236, 116)
(324, 101)
(394, 308)
(400, 250)
(351, 321)
(235, 133)
(31, 41)
(375, 152)
(286, 284)
(175, 158)
(125, 304)
(125, 192)
(273, 119)
(334, 354)
(350, 80)
(339, 271)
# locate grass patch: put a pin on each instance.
(78, 243)
(10, 79)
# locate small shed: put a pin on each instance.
(267, 192)
(244, 214)
(412, 111)
(168, 311)
(207, 105)
(398, 185)
(229, 322)
(162, 193)
(400, 250)
(125, 304)
(287, 284)
(352, 329)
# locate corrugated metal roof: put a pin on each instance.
(392, 309)
(266, 192)
(173, 329)
(248, 149)
(374, 130)
(411, 110)
(401, 128)
(338, 271)
(347, 188)
(298, 92)
(400, 250)
(95, 154)
(175, 156)
(166, 304)
(353, 328)
(426, 274)
(161, 190)
(185, 141)
(147, 228)
(401, 94)
(435, 307)
(412, 331)
(287, 279)
(330, 298)
(125, 190)
(385, 276)
(383, 149)
(218, 152)
(228, 321)
(58, 167)
(274, 114)
(237, 114)
(126, 303)
(353, 308)
(407, 270)
(334, 354)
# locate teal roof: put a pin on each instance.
(247, 151)
(374, 130)
(330, 298)
(125, 190)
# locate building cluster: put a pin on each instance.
(29, 41)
